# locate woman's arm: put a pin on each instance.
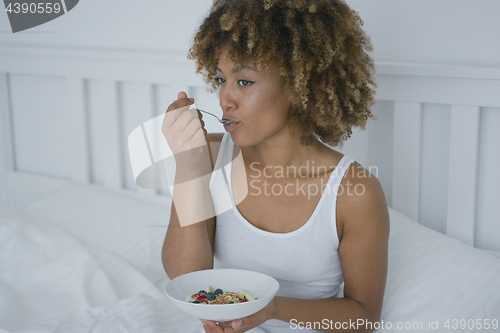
(188, 248)
(364, 221)
(362, 211)
(188, 244)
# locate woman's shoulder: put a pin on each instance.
(361, 199)
(362, 177)
(360, 186)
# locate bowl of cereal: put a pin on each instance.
(222, 294)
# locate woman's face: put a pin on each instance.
(256, 102)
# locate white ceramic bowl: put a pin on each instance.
(259, 285)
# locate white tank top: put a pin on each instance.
(305, 261)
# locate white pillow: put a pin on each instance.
(432, 277)
(130, 229)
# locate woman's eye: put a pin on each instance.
(245, 83)
(219, 80)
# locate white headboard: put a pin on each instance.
(66, 115)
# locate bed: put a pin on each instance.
(80, 242)
(84, 259)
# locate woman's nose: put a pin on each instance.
(227, 98)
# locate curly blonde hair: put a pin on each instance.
(319, 48)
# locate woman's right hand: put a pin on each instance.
(183, 128)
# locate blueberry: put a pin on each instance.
(218, 291)
(210, 296)
(202, 292)
(195, 302)
(231, 302)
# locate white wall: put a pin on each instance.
(150, 25)
(431, 31)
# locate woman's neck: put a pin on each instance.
(286, 151)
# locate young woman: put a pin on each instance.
(292, 76)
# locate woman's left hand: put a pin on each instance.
(240, 325)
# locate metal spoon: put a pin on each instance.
(222, 121)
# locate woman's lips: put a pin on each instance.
(231, 126)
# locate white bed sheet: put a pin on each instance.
(51, 282)
(86, 260)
